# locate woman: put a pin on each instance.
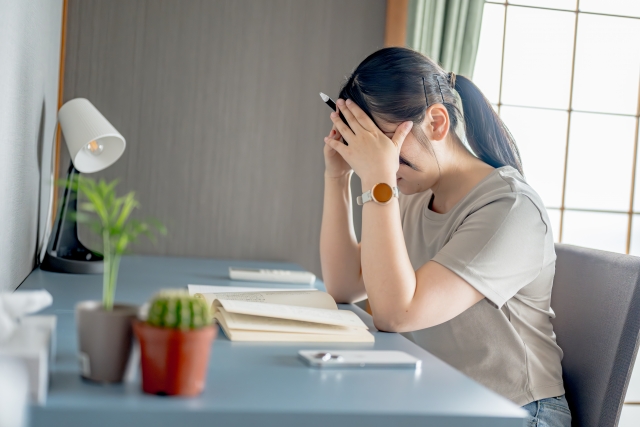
(463, 260)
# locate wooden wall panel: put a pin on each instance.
(396, 23)
(218, 101)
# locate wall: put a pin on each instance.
(30, 34)
(218, 101)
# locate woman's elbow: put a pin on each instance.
(387, 323)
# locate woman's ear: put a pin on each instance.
(437, 120)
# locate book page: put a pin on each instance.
(305, 314)
(255, 323)
(211, 289)
(361, 335)
(313, 299)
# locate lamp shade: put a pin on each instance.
(93, 143)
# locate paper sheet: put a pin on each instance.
(209, 289)
(312, 299)
(305, 314)
(237, 321)
(361, 335)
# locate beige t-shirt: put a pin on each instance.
(498, 238)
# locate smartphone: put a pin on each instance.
(359, 359)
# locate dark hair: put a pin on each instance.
(392, 83)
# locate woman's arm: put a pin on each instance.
(402, 299)
(339, 249)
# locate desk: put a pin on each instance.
(254, 383)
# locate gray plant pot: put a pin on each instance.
(104, 340)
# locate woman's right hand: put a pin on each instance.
(334, 165)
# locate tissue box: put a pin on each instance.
(48, 323)
(32, 344)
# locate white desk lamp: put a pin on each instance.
(94, 144)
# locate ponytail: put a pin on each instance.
(486, 133)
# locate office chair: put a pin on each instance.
(596, 298)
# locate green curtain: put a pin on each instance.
(447, 31)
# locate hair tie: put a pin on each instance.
(452, 80)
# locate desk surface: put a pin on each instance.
(254, 383)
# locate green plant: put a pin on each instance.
(109, 216)
(178, 310)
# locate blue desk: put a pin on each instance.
(254, 383)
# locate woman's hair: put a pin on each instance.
(392, 84)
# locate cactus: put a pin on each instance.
(178, 310)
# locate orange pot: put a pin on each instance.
(174, 362)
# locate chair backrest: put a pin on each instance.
(596, 298)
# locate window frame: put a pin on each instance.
(630, 212)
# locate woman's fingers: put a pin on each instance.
(335, 134)
(336, 145)
(341, 127)
(401, 133)
(351, 119)
(362, 118)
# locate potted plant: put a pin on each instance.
(175, 343)
(104, 327)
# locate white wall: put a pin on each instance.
(30, 33)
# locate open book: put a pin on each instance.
(303, 316)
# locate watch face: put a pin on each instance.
(382, 193)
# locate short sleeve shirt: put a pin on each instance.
(498, 238)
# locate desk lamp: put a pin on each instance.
(94, 144)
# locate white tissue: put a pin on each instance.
(14, 306)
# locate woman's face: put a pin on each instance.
(419, 170)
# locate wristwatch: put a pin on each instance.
(381, 193)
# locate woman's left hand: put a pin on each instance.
(371, 154)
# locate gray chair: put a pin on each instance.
(596, 298)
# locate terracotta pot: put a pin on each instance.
(174, 362)
(104, 340)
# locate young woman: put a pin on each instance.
(463, 260)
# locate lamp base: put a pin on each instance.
(65, 253)
(78, 261)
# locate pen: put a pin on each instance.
(332, 105)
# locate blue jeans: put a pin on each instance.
(549, 412)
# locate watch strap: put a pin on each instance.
(366, 196)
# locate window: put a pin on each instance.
(564, 75)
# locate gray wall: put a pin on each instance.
(29, 70)
(218, 101)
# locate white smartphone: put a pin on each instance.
(359, 359)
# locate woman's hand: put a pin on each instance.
(335, 165)
(371, 154)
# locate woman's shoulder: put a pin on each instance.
(504, 183)
(504, 190)
(508, 194)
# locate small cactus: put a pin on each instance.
(178, 310)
